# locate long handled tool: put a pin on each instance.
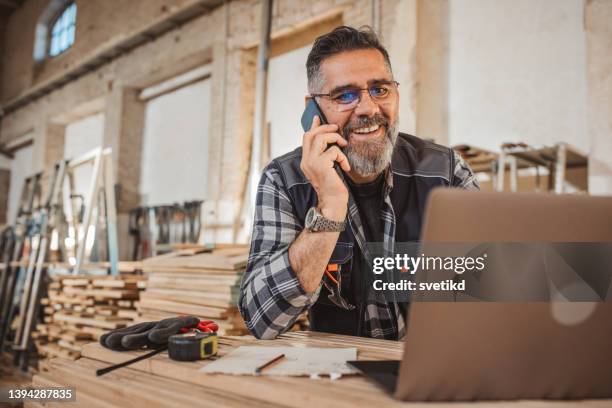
(31, 292)
(21, 244)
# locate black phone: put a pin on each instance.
(312, 110)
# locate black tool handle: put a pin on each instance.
(103, 371)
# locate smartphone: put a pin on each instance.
(312, 110)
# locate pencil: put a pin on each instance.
(261, 367)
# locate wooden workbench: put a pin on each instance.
(161, 382)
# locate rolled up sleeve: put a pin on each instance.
(271, 297)
(463, 176)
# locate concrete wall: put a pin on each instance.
(517, 72)
(598, 21)
(287, 86)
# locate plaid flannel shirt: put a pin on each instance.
(271, 297)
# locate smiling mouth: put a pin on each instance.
(367, 131)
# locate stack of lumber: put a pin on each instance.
(202, 282)
(80, 308)
(198, 281)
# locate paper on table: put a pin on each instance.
(298, 361)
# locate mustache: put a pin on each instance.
(364, 121)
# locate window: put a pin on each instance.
(62, 33)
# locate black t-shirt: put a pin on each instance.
(369, 199)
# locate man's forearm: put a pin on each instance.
(309, 255)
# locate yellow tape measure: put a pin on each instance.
(192, 346)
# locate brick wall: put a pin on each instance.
(99, 24)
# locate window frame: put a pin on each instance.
(52, 25)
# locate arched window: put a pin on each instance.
(61, 36)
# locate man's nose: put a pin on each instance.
(366, 106)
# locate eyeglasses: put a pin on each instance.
(346, 99)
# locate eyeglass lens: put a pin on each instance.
(348, 99)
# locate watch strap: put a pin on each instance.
(323, 224)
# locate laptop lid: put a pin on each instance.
(509, 350)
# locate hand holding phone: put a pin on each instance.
(320, 153)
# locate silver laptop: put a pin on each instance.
(459, 351)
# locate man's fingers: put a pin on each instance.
(335, 154)
(322, 141)
(316, 121)
(326, 128)
(311, 134)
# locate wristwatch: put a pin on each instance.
(315, 221)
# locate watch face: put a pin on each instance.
(310, 217)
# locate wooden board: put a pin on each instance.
(229, 259)
(83, 400)
(200, 281)
(123, 388)
(184, 308)
(90, 322)
(114, 283)
(224, 301)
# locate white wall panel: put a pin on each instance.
(175, 146)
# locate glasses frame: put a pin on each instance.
(338, 105)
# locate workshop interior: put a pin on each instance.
(138, 162)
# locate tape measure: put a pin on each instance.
(192, 346)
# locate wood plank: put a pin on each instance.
(126, 387)
(89, 322)
(184, 308)
(202, 299)
(193, 271)
(114, 283)
(218, 260)
(196, 286)
(127, 314)
(82, 399)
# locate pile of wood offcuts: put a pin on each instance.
(80, 308)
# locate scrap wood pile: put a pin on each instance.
(201, 282)
(80, 308)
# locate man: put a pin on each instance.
(312, 221)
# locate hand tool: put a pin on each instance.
(156, 335)
(194, 343)
(192, 346)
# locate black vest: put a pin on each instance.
(418, 167)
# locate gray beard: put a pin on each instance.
(373, 156)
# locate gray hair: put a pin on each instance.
(341, 39)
